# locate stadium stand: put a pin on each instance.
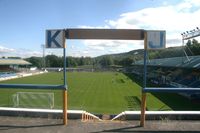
(172, 72)
(14, 62)
(185, 62)
(9, 67)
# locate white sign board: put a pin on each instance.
(156, 39)
(55, 38)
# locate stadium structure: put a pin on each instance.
(9, 67)
(173, 72)
(158, 72)
(12, 64)
(15, 68)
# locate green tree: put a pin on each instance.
(35, 61)
(54, 61)
(195, 47)
(127, 61)
(72, 62)
(189, 43)
(106, 61)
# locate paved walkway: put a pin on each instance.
(44, 125)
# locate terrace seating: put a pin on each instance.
(6, 69)
(181, 62)
(196, 84)
(7, 75)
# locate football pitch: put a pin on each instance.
(98, 92)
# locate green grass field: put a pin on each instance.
(99, 92)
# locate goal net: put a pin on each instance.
(33, 100)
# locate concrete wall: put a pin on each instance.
(77, 114)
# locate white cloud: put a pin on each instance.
(85, 51)
(168, 18)
(27, 53)
(72, 46)
(175, 19)
(79, 53)
(5, 49)
(193, 2)
(111, 46)
(58, 52)
(93, 27)
(9, 52)
(172, 18)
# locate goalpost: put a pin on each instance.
(33, 100)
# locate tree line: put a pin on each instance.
(192, 48)
(56, 61)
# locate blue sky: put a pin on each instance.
(23, 23)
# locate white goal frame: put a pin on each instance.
(47, 96)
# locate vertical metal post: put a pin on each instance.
(44, 63)
(65, 90)
(43, 56)
(145, 69)
(64, 69)
(65, 107)
(143, 104)
(183, 49)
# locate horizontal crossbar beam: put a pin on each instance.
(32, 86)
(191, 35)
(113, 34)
(172, 90)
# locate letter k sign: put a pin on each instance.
(55, 38)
